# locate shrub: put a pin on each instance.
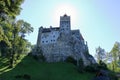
(92, 68)
(71, 60)
(96, 67)
(80, 66)
(18, 76)
(40, 58)
(26, 76)
(102, 65)
(113, 76)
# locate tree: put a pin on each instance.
(4, 42)
(100, 54)
(115, 52)
(19, 44)
(12, 33)
(9, 8)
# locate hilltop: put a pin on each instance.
(28, 67)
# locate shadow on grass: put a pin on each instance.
(30, 69)
(14, 73)
(3, 65)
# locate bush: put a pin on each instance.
(35, 57)
(71, 60)
(113, 76)
(102, 65)
(40, 58)
(96, 67)
(92, 68)
(81, 66)
(24, 76)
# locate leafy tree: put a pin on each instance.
(100, 54)
(12, 33)
(115, 52)
(1, 33)
(19, 44)
(4, 42)
(9, 8)
(102, 65)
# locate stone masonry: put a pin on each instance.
(58, 43)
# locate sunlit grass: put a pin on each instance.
(4, 64)
(44, 71)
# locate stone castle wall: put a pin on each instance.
(61, 42)
(65, 46)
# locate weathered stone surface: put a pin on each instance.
(59, 43)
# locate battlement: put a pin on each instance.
(65, 25)
(65, 18)
(45, 30)
(58, 43)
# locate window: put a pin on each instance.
(46, 41)
(42, 41)
(53, 35)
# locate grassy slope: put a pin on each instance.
(43, 71)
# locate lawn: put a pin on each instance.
(42, 71)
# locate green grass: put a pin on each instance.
(42, 71)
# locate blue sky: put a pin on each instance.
(97, 20)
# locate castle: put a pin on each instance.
(58, 43)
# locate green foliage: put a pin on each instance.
(11, 32)
(9, 8)
(112, 76)
(102, 65)
(100, 54)
(92, 68)
(39, 58)
(1, 33)
(81, 66)
(43, 71)
(12, 38)
(96, 67)
(71, 60)
(112, 68)
(115, 52)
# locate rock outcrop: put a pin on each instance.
(59, 43)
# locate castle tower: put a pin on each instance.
(65, 26)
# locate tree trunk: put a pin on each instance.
(12, 59)
(13, 50)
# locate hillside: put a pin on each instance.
(33, 70)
